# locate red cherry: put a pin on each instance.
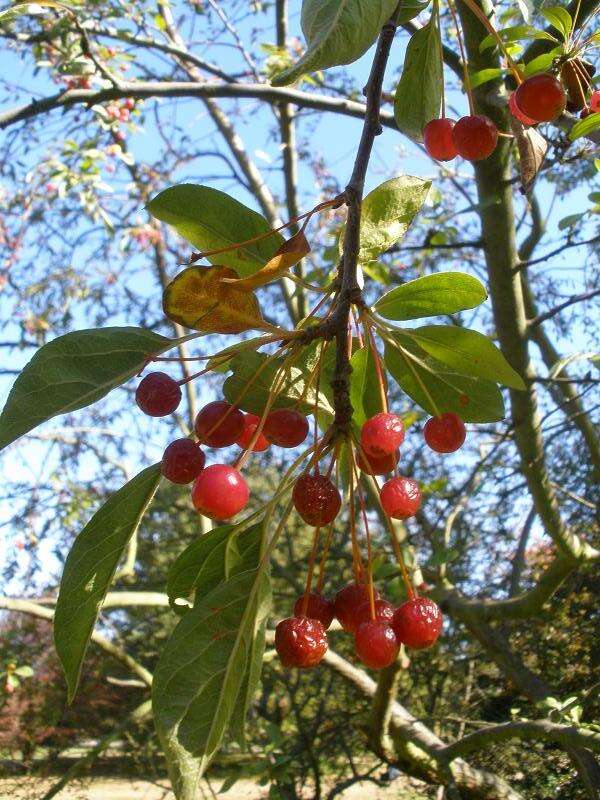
(286, 427)
(251, 422)
(158, 394)
(445, 433)
(347, 602)
(300, 642)
(377, 466)
(382, 434)
(384, 612)
(475, 137)
(437, 137)
(595, 101)
(376, 644)
(516, 111)
(182, 461)
(220, 492)
(316, 499)
(318, 607)
(541, 97)
(219, 424)
(400, 497)
(418, 623)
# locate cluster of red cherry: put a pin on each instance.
(540, 98)
(220, 492)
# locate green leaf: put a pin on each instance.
(513, 34)
(211, 219)
(473, 399)
(203, 666)
(467, 352)
(560, 19)
(432, 295)
(200, 565)
(74, 371)
(336, 33)
(387, 212)
(364, 386)
(485, 75)
(24, 672)
(419, 93)
(542, 63)
(91, 565)
(585, 126)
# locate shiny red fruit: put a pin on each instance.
(220, 492)
(347, 603)
(316, 499)
(251, 422)
(595, 101)
(445, 433)
(541, 97)
(376, 644)
(437, 137)
(300, 642)
(158, 394)
(384, 612)
(182, 461)
(219, 424)
(318, 607)
(400, 497)
(516, 111)
(377, 466)
(382, 435)
(286, 427)
(418, 623)
(475, 137)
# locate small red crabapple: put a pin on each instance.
(220, 492)
(418, 623)
(377, 466)
(219, 424)
(251, 422)
(384, 612)
(516, 111)
(286, 427)
(300, 642)
(446, 433)
(316, 499)
(382, 435)
(541, 97)
(158, 394)
(400, 497)
(475, 137)
(347, 603)
(595, 101)
(437, 138)
(182, 461)
(318, 607)
(376, 644)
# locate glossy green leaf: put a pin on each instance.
(515, 33)
(585, 126)
(364, 386)
(485, 75)
(387, 212)
(337, 32)
(432, 295)
(560, 19)
(211, 219)
(419, 93)
(542, 63)
(467, 352)
(473, 399)
(74, 371)
(91, 565)
(201, 564)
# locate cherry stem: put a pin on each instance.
(311, 569)
(441, 54)
(489, 27)
(377, 360)
(357, 566)
(463, 58)
(363, 509)
(316, 405)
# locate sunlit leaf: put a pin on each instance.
(585, 126)
(288, 255)
(432, 295)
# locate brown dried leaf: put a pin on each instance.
(199, 298)
(287, 256)
(532, 151)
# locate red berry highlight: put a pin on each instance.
(347, 603)
(377, 466)
(475, 137)
(220, 492)
(318, 607)
(382, 434)
(300, 642)
(418, 623)
(158, 394)
(400, 497)
(219, 424)
(316, 499)
(541, 97)
(516, 111)
(376, 644)
(286, 427)
(182, 461)
(384, 612)
(437, 137)
(595, 101)
(445, 433)
(251, 422)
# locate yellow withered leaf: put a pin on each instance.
(198, 298)
(287, 256)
